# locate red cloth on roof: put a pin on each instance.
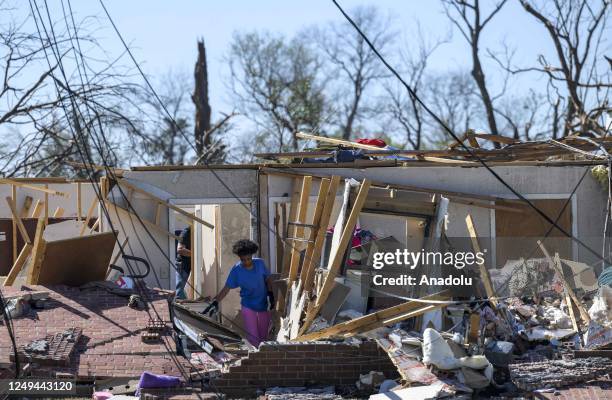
(373, 142)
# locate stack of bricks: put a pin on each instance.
(304, 364)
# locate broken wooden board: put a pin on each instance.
(484, 273)
(75, 261)
(380, 318)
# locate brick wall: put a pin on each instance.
(304, 364)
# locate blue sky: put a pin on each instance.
(163, 33)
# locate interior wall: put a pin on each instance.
(527, 180)
(69, 203)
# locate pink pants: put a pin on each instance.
(257, 324)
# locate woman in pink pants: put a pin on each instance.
(253, 278)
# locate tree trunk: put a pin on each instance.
(202, 105)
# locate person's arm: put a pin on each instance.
(182, 250)
(221, 295)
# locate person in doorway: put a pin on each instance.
(253, 278)
(183, 262)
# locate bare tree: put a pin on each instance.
(276, 84)
(351, 61)
(405, 116)
(50, 88)
(470, 18)
(454, 98)
(577, 30)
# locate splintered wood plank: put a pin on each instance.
(296, 246)
(13, 200)
(90, 212)
(38, 207)
(311, 260)
(391, 315)
(338, 256)
(38, 252)
(18, 265)
(17, 221)
(484, 273)
(25, 208)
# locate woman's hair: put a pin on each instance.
(244, 247)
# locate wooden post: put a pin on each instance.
(79, 202)
(59, 212)
(293, 209)
(338, 256)
(17, 221)
(296, 246)
(312, 258)
(484, 273)
(46, 205)
(14, 223)
(38, 253)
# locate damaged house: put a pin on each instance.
(88, 269)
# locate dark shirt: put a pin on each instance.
(185, 239)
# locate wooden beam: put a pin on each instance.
(484, 273)
(38, 207)
(409, 188)
(96, 225)
(58, 213)
(25, 208)
(296, 246)
(38, 188)
(90, 212)
(13, 200)
(79, 202)
(348, 143)
(46, 206)
(380, 318)
(130, 214)
(170, 206)
(38, 253)
(17, 221)
(18, 265)
(313, 253)
(294, 203)
(338, 256)
(584, 315)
